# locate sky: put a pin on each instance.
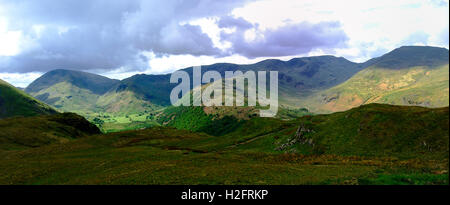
(121, 38)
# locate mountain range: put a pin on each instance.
(409, 75)
(334, 126)
(297, 76)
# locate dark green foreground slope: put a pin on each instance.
(15, 102)
(372, 144)
(27, 132)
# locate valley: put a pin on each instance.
(381, 144)
(384, 121)
(409, 75)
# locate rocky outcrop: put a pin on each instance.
(299, 137)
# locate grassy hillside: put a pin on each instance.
(301, 76)
(154, 89)
(214, 120)
(68, 97)
(372, 144)
(412, 56)
(71, 91)
(27, 132)
(124, 102)
(369, 130)
(410, 75)
(95, 83)
(15, 102)
(297, 76)
(413, 86)
(101, 100)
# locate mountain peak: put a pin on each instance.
(96, 83)
(411, 56)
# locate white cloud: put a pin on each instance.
(9, 40)
(170, 63)
(370, 25)
(20, 79)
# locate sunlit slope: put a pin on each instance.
(15, 102)
(71, 91)
(124, 102)
(137, 94)
(368, 130)
(68, 97)
(405, 76)
(412, 86)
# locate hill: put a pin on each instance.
(72, 91)
(412, 56)
(66, 89)
(117, 105)
(137, 94)
(368, 130)
(406, 76)
(28, 132)
(409, 75)
(371, 144)
(97, 84)
(298, 77)
(15, 102)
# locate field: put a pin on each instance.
(111, 122)
(154, 158)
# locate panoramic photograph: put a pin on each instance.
(241, 92)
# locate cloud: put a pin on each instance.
(20, 79)
(104, 36)
(230, 21)
(290, 39)
(383, 24)
(101, 34)
(417, 38)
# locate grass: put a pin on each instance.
(423, 86)
(25, 132)
(113, 122)
(15, 102)
(407, 179)
(249, 154)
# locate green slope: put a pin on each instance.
(303, 79)
(412, 56)
(68, 97)
(95, 83)
(15, 102)
(26, 132)
(105, 100)
(370, 130)
(410, 75)
(372, 144)
(424, 81)
(297, 76)
(71, 91)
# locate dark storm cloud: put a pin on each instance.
(291, 39)
(106, 35)
(103, 34)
